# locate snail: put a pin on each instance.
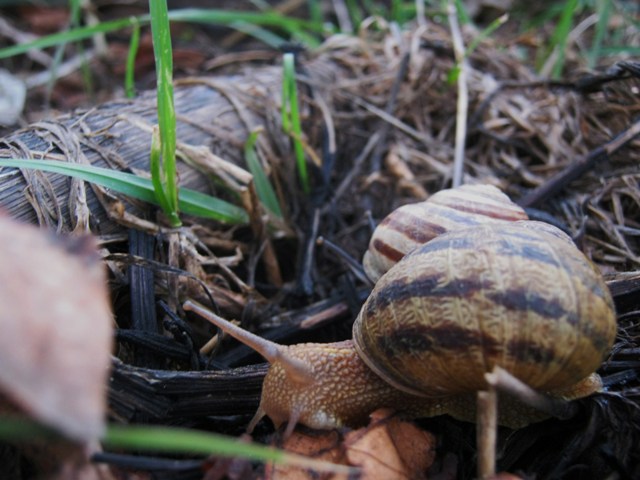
(409, 226)
(518, 295)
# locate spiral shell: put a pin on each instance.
(523, 298)
(411, 225)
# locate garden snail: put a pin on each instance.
(518, 295)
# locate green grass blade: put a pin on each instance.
(486, 33)
(190, 15)
(21, 429)
(265, 36)
(561, 34)
(68, 36)
(170, 440)
(293, 115)
(155, 168)
(190, 201)
(134, 44)
(463, 15)
(163, 53)
(228, 17)
(177, 440)
(603, 11)
(264, 189)
(284, 104)
(620, 49)
(180, 440)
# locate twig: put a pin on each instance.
(9, 31)
(342, 15)
(486, 432)
(347, 182)
(420, 14)
(462, 106)
(64, 69)
(503, 381)
(579, 167)
(306, 279)
(353, 265)
(376, 156)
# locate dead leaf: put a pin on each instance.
(319, 445)
(56, 329)
(42, 20)
(389, 448)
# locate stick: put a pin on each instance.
(462, 106)
(503, 381)
(583, 164)
(486, 432)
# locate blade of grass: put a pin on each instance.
(68, 36)
(619, 49)
(165, 180)
(603, 11)
(134, 44)
(74, 19)
(266, 193)
(292, 114)
(171, 440)
(462, 105)
(486, 33)
(355, 13)
(20, 429)
(190, 201)
(156, 170)
(265, 36)
(559, 38)
(180, 440)
(227, 17)
(463, 15)
(191, 15)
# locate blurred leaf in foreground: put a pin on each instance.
(56, 329)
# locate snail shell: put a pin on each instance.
(411, 225)
(512, 295)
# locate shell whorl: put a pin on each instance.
(411, 225)
(510, 295)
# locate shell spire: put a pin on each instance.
(410, 226)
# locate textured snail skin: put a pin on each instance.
(412, 225)
(510, 295)
(345, 391)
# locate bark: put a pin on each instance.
(217, 113)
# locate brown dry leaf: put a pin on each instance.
(389, 448)
(320, 445)
(56, 329)
(42, 20)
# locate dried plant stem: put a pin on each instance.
(486, 432)
(463, 94)
(579, 167)
(503, 381)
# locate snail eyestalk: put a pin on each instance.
(272, 352)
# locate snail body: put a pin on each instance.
(518, 295)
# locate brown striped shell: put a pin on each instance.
(511, 295)
(411, 225)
